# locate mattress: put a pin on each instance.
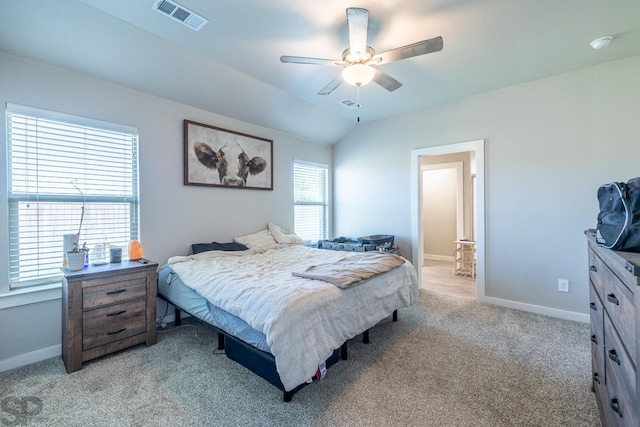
(173, 289)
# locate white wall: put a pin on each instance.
(172, 216)
(549, 145)
(439, 212)
(468, 166)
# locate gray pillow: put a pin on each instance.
(197, 248)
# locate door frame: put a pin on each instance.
(476, 146)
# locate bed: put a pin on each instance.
(284, 310)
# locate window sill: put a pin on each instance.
(32, 295)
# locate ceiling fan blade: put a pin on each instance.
(331, 86)
(311, 61)
(420, 48)
(386, 81)
(358, 20)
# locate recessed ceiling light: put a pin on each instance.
(602, 42)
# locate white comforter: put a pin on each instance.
(303, 320)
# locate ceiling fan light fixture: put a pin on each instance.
(358, 74)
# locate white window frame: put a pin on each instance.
(324, 203)
(17, 283)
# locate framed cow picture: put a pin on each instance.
(217, 157)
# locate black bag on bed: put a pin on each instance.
(619, 217)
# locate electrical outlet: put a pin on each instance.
(563, 285)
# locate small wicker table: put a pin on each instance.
(465, 256)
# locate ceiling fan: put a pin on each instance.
(359, 58)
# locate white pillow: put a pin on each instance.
(285, 236)
(257, 242)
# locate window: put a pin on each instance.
(63, 169)
(310, 200)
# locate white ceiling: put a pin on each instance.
(232, 65)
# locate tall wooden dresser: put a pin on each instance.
(614, 296)
(107, 308)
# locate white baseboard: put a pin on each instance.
(31, 357)
(538, 309)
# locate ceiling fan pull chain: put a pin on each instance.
(358, 88)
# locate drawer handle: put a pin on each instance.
(615, 406)
(593, 306)
(596, 377)
(593, 268)
(118, 313)
(594, 340)
(612, 299)
(117, 332)
(614, 356)
(119, 291)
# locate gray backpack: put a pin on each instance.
(619, 218)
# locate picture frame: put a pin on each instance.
(217, 157)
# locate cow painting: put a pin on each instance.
(223, 158)
(231, 162)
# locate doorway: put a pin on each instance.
(446, 219)
(471, 227)
(442, 208)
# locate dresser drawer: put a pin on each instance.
(113, 332)
(618, 410)
(112, 293)
(596, 269)
(596, 313)
(618, 302)
(620, 377)
(92, 319)
(597, 340)
(597, 366)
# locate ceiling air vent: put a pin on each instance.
(180, 14)
(350, 103)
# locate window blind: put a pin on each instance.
(62, 169)
(311, 206)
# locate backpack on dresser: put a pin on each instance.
(619, 218)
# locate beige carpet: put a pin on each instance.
(447, 362)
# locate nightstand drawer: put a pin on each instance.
(92, 319)
(113, 332)
(112, 293)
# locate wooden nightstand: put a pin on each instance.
(107, 308)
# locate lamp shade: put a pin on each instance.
(358, 74)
